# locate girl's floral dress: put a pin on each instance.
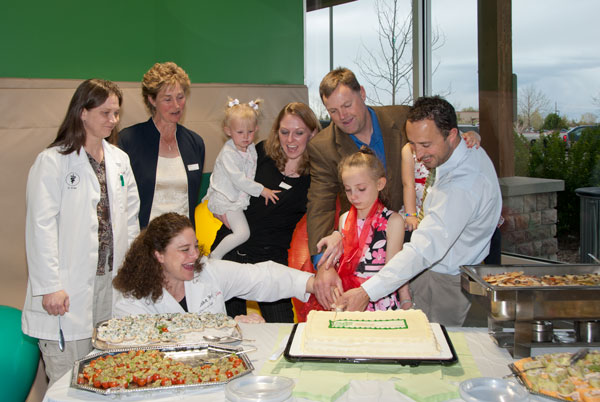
(421, 173)
(373, 259)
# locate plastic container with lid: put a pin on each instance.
(489, 389)
(259, 389)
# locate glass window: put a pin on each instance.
(454, 56)
(356, 45)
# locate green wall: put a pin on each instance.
(231, 41)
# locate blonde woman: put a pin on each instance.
(167, 158)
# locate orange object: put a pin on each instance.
(299, 258)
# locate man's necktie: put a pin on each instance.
(428, 182)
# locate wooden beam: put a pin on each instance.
(312, 5)
(494, 33)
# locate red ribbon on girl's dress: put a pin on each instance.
(421, 180)
(353, 248)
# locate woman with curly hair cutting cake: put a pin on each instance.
(163, 273)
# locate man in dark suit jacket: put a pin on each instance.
(352, 124)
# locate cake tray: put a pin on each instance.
(447, 356)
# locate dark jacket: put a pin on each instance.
(141, 142)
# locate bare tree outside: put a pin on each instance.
(588, 118)
(596, 100)
(532, 104)
(318, 107)
(387, 67)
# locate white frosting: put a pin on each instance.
(393, 333)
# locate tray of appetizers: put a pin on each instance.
(166, 329)
(535, 292)
(156, 369)
(552, 375)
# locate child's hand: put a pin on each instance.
(251, 318)
(223, 218)
(270, 195)
(472, 139)
(411, 223)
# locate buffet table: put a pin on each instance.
(489, 361)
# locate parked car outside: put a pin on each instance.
(463, 128)
(574, 134)
(531, 136)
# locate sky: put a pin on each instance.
(556, 49)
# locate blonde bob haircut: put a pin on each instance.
(163, 75)
(273, 147)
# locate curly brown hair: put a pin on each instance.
(141, 275)
(163, 75)
(273, 145)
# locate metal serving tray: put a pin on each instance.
(531, 303)
(228, 335)
(192, 355)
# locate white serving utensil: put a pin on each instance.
(593, 257)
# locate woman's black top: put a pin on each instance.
(272, 225)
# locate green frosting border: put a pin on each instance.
(347, 323)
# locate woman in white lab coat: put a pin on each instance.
(82, 207)
(163, 273)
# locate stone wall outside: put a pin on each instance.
(530, 216)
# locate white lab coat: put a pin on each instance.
(220, 280)
(61, 234)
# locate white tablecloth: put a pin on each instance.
(491, 360)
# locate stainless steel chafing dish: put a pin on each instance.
(532, 309)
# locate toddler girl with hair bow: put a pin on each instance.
(232, 180)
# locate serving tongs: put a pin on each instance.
(580, 354)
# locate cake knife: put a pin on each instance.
(61, 337)
(336, 309)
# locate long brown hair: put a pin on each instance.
(141, 275)
(89, 95)
(273, 145)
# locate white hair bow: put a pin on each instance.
(234, 102)
(253, 105)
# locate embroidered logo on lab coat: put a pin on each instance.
(72, 180)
